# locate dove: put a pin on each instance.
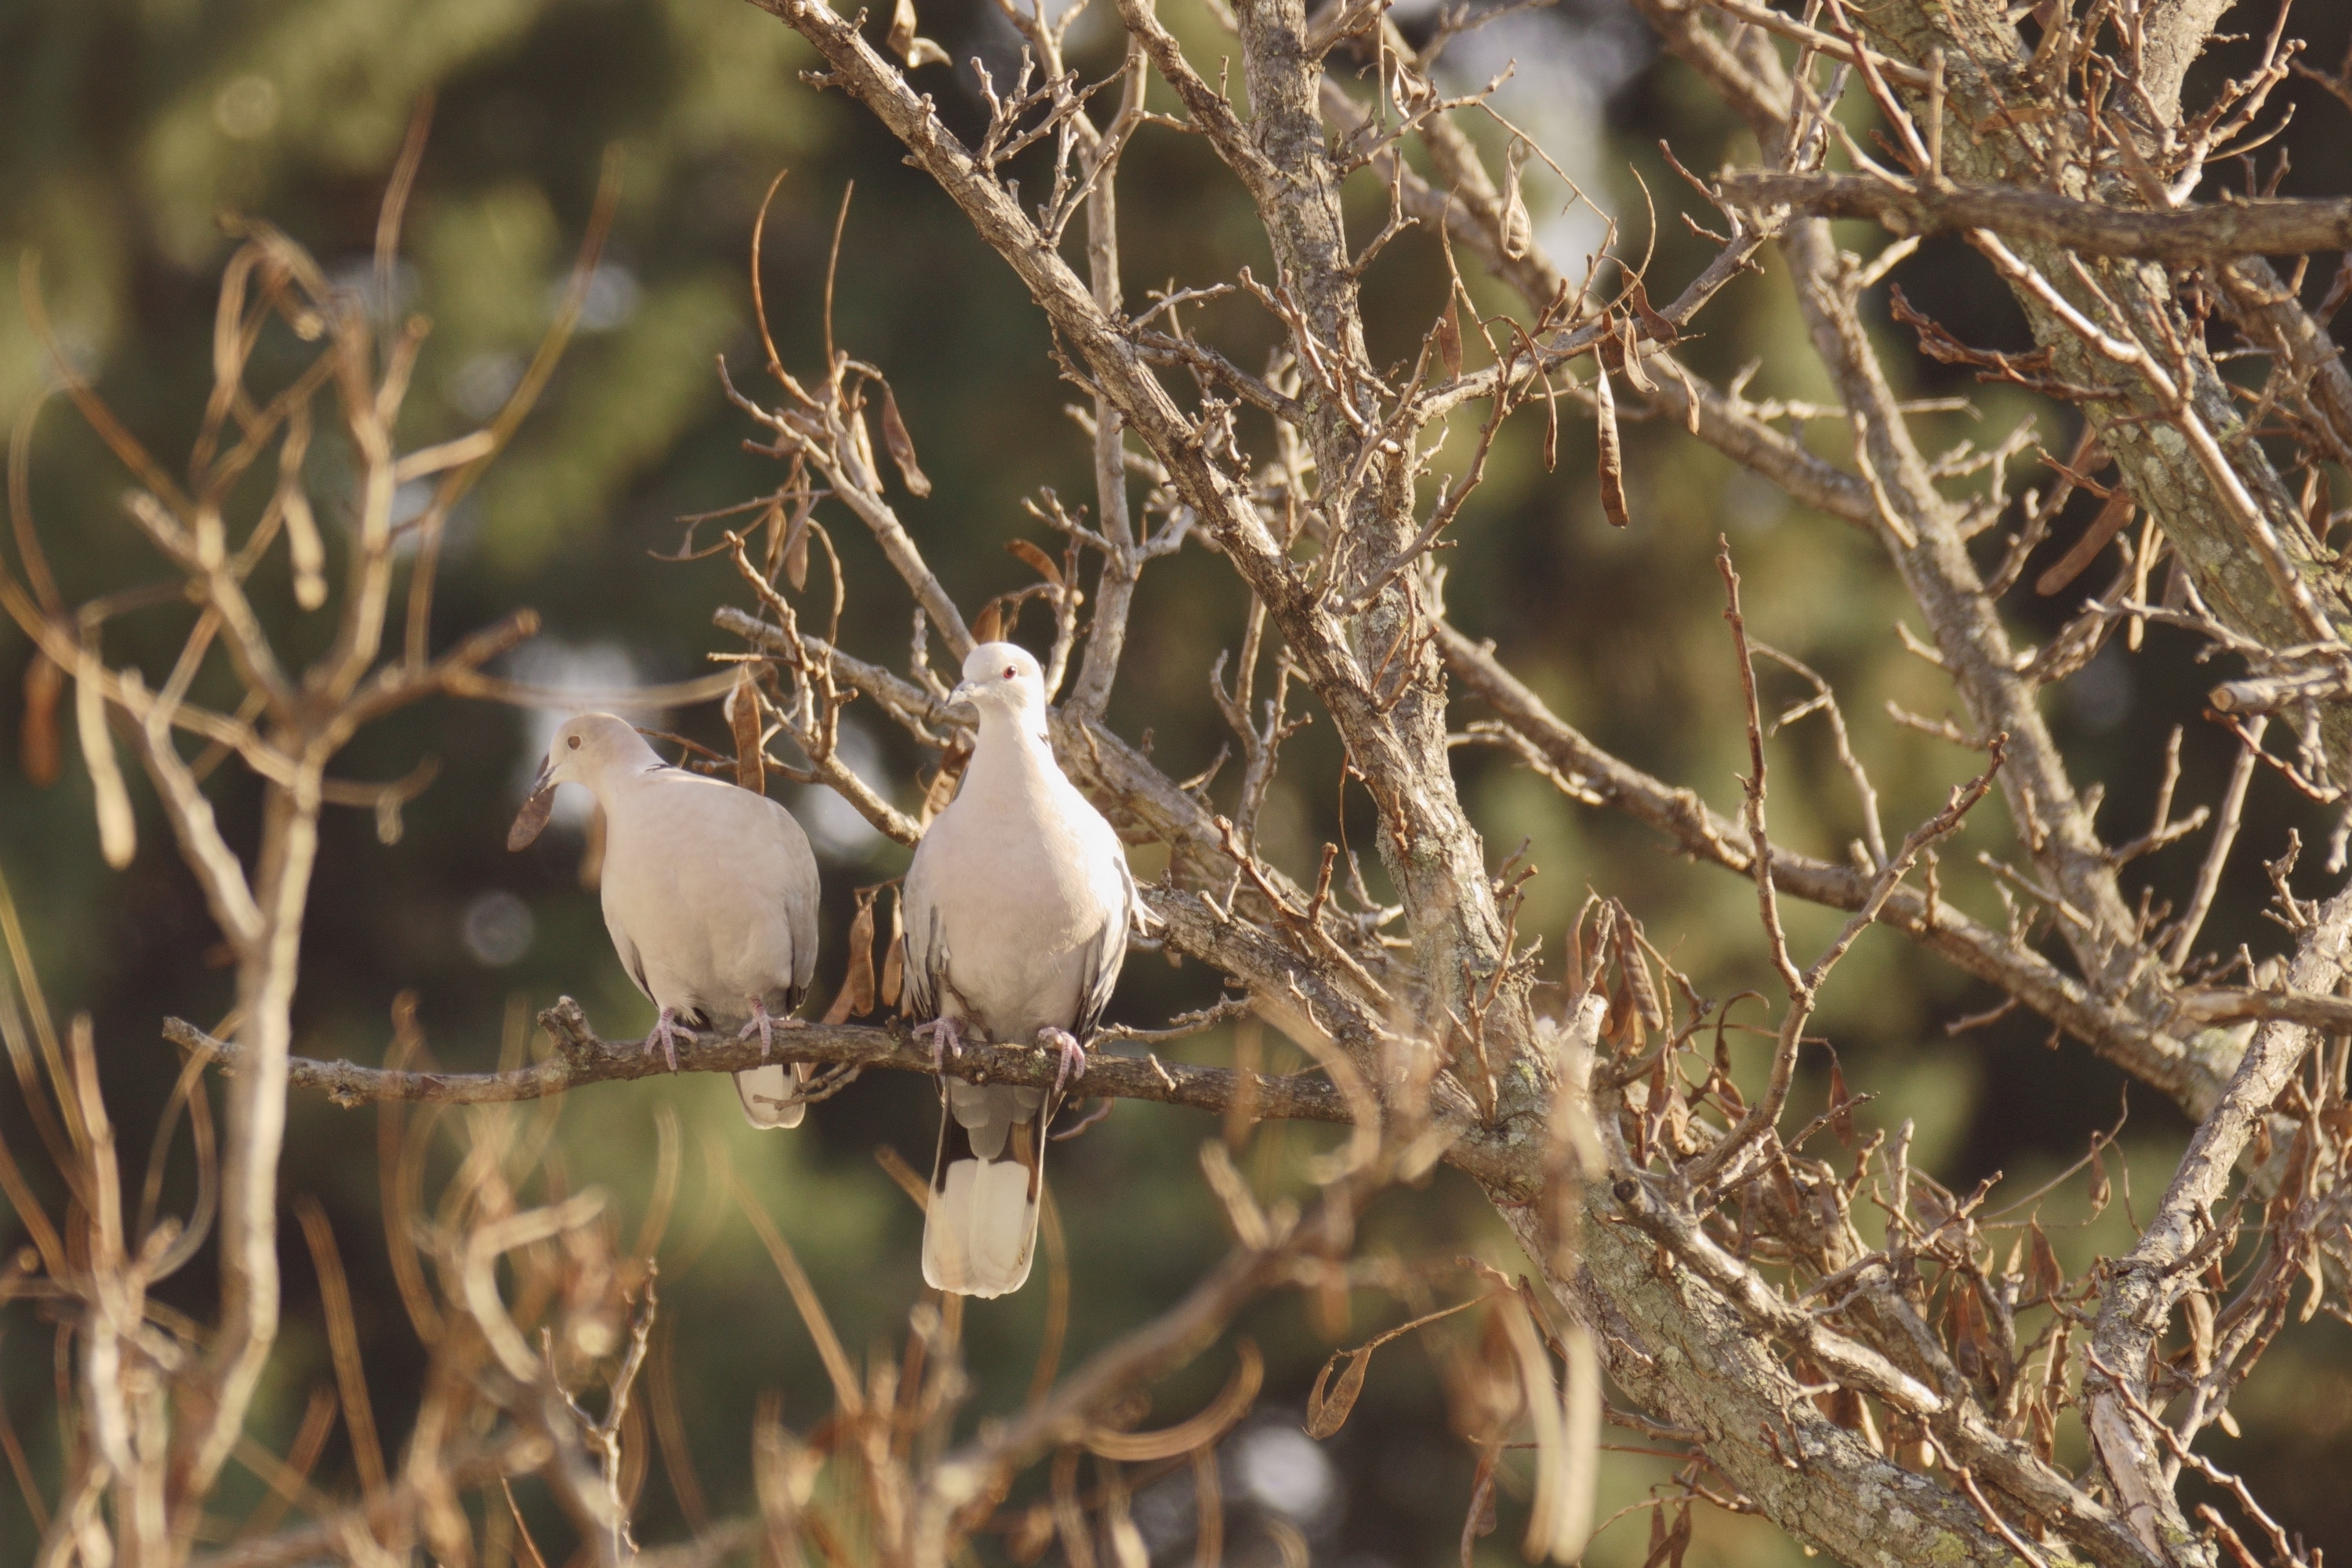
(711, 896)
(1017, 909)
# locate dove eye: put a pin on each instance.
(575, 742)
(1009, 672)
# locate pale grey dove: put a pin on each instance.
(1017, 904)
(710, 895)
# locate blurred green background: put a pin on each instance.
(128, 127)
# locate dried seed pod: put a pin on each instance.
(894, 429)
(1518, 231)
(796, 544)
(1629, 352)
(1612, 453)
(2104, 528)
(743, 718)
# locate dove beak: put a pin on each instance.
(966, 691)
(531, 820)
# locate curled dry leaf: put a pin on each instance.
(1449, 336)
(1841, 1104)
(2043, 1277)
(894, 429)
(1645, 986)
(856, 997)
(1612, 453)
(796, 544)
(1037, 560)
(1667, 1550)
(1328, 1406)
(914, 51)
(989, 624)
(1656, 328)
(1971, 1337)
(2196, 1317)
(1328, 1412)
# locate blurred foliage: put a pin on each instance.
(127, 128)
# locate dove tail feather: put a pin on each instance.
(770, 1095)
(980, 1228)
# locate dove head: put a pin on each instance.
(1002, 680)
(584, 751)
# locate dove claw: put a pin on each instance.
(667, 1030)
(947, 1040)
(760, 1024)
(1073, 1062)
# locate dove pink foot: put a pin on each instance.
(765, 1024)
(667, 1032)
(947, 1040)
(1074, 1056)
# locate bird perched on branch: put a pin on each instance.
(1018, 904)
(710, 895)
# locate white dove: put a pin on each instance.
(710, 895)
(1018, 904)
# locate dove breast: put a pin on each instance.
(709, 893)
(1022, 921)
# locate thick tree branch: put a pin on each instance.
(1988, 76)
(2146, 1285)
(2264, 227)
